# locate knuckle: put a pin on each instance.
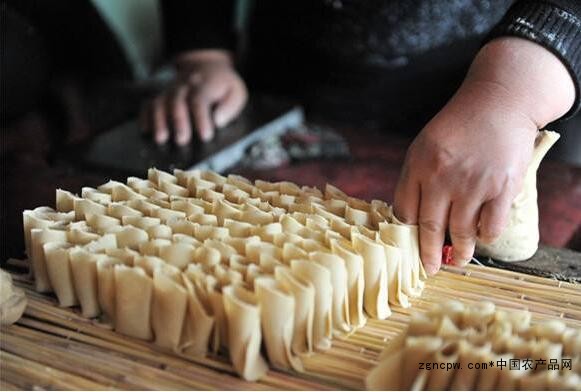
(490, 233)
(463, 235)
(431, 226)
(195, 78)
(443, 161)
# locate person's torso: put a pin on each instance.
(369, 57)
(370, 33)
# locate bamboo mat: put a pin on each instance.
(55, 348)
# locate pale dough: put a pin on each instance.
(445, 336)
(195, 262)
(520, 239)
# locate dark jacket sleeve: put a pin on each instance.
(554, 24)
(189, 25)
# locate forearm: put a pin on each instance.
(553, 24)
(191, 59)
(524, 77)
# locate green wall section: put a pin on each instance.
(137, 25)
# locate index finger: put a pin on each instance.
(407, 199)
(432, 219)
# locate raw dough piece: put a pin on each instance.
(84, 272)
(442, 339)
(133, 292)
(243, 314)
(304, 295)
(277, 320)
(199, 322)
(60, 273)
(12, 300)
(320, 278)
(39, 237)
(168, 308)
(520, 239)
(195, 261)
(375, 273)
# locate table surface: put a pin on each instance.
(30, 180)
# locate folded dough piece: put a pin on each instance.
(168, 307)
(340, 306)
(442, 338)
(520, 239)
(100, 223)
(440, 379)
(277, 307)
(84, 206)
(243, 314)
(85, 279)
(106, 285)
(39, 237)
(404, 237)
(199, 321)
(394, 260)
(304, 295)
(320, 277)
(409, 351)
(161, 231)
(133, 293)
(131, 237)
(177, 255)
(375, 273)
(155, 256)
(355, 280)
(59, 271)
(64, 201)
(42, 218)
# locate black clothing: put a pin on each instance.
(554, 24)
(373, 56)
(44, 40)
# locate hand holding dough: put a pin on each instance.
(520, 239)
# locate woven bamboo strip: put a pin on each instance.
(142, 352)
(473, 270)
(65, 334)
(96, 365)
(31, 375)
(6, 386)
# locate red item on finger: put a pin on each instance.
(447, 254)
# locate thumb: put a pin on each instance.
(230, 105)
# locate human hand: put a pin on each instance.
(207, 93)
(467, 165)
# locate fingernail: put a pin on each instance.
(462, 262)
(161, 137)
(206, 136)
(182, 138)
(220, 120)
(431, 269)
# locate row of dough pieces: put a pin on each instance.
(207, 271)
(478, 333)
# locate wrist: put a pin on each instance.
(195, 59)
(526, 77)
